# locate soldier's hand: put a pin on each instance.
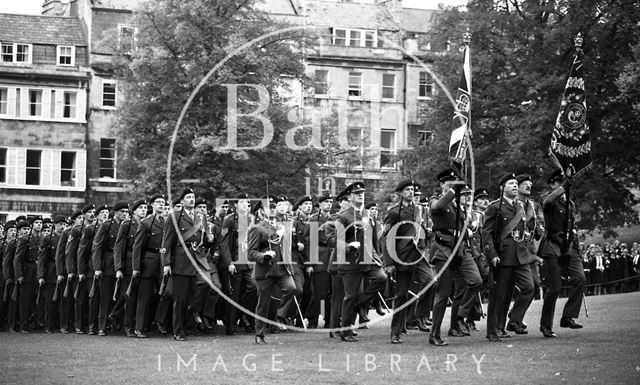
(309, 270)
(269, 255)
(81, 277)
(97, 273)
(136, 273)
(300, 246)
(60, 278)
(495, 261)
(41, 281)
(119, 274)
(354, 244)
(166, 270)
(20, 279)
(232, 269)
(9, 281)
(390, 270)
(71, 275)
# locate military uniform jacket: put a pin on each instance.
(26, 258)
(230, 236)
(146, 246)
(262, 238)
(510, 251)
(300, 234)
(555, 216)
(71, 249)
(62, 244)
(531, 229)
(355, 226)
(443, 216)
(47, 259)
(123, 249)
(3, 243)
(173, 253)
(7, 259)
(320, 262)
(103, 246)
(406, 251)
(84, 261)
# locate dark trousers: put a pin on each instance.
(513, 292)
(404, 279)
(182, 287)
(521, 275)
(130, 302)
(423, 277)
(244, 293)
(321, 291)
(354, 298)
(146, 290)
(12, 315)
(107, 286)
(66, 306)
(298, 279)
(337, 295)
(27, 298)
(3, 306)
(268, 287)
(574, 301)
(205, 298)
(467, 282)
(82, 302)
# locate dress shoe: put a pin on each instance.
(161, 329)
(503, 334)
(11, 330)
(79, 331)
(547, 332)
(91, 332)
(514, 326)
(140, 334)
(130, 333)
(428, 321)
(115, 324)
(395, 339)
(379, 309)
(566, 322)
(362, 315)
(455, 332)
(404, 331)
(24, 331)
(363, 326)
(462, 326)
(471, 325)
(231, 332)
(422, 326)
(282, 324)
(260, 340)
(493, 338)
(48, 331)
(332, 335)
(354, 333)
(63, 331)
(180, 338)
(102, 333)
(348, 338)
(437, 341)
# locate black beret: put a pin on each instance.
(35, 218)
(201, 201)
(481, 193)
(20, 217)
(10, 225)
(404, 184)
(102, 207)
(343, 195)
(506, 177)
(523, 178)
(47, 221)
(370, 205)
(87, 207)
(556, 176)
(23, 223)
(75, 214)
(137, 204)
(59, 219)
(281, 198)
(242, 196)
(175, 201)
(447, 175)
(424, 201)
(119, 205)
(356, 187)
(185, 192)
(157, 196)
(324, 197)
(306, 198)
(226, 202)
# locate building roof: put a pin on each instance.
(117, 4)
(350, 15)
(35, 29)
(279, 7)
(417, 20)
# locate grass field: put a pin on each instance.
(606, 351)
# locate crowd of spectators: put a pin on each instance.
(611, 268)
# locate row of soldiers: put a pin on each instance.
(119, 266)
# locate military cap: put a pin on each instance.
(356, 187)
(47, 221)
(226, 202)
(156, 196)
(481, 193)
(175, 201)
(242, 196)
(137, 204)
(75, 214)
(102, 207)
(35, 218)
(343, 195)
(120, 205)
(10, 225)
(59, 219)
(506, 177)
(324, 197)
(87, 207)
(20, 217)
(523, 178)
(416, 188)
(424, 201)
(447, 175)
(23, 223)
(556, 176)
(201, 201)
(370, 205)
(186, 192)
(404, 184)
(466, 190)
(281, 198)
(306, 198)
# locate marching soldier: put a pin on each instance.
(66, 304)
(26, 272)
(47, 277)
(10, 232)
(480, 202)
(337, 286)
(505, 235)
(302, 272)
(21, 227)
(103, 262)
(559, 249)
(146, 260)
(400, 252)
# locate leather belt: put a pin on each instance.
(152, 249)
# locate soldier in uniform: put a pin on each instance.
(5, 283)
(447, 225)
(66, 302)
(103, 262)
(47, 277)
(26, 272)
(559, 250)
(337, 286)
(235, 255)
(480, 203)
(190, 226)
(355, 259)
(505, 235)
(302, 272)
(123, 262)
(400, 252)
(21, 228)
(145, 259)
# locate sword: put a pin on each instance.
(92, 291)
(5, 295)
(586, 309)
(65, 293)
(295, 299)
(130, 287)
(480, 299)
(384, 302)
(408, 291)
(76, 292)
(163, 284)
(55, 292)
(117, 289)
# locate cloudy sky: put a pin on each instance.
(34, 6)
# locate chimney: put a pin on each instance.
(55, 7)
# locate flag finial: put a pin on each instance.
(578, 40)
(466, 37)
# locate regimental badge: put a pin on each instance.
(163, 250)
(224, 231)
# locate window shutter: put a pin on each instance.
(51, 167)
(81, 105)
(11, 102)
(81, 169)
(18, 166)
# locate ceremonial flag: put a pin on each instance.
(570, 145)
(462, 113)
